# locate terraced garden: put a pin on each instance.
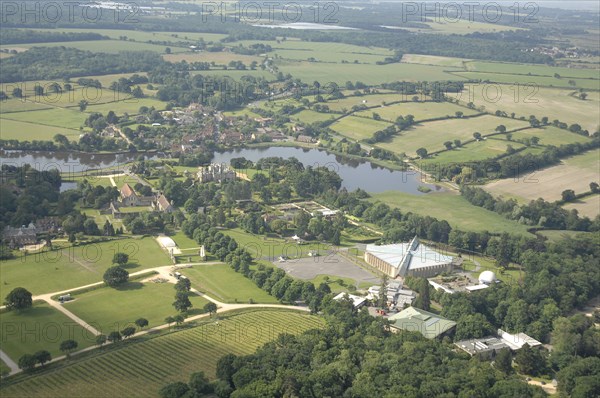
(141, 369)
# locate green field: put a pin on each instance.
(471, 152)
(366, 73)
(358, 128)
(39, 328)
(183, 242)
(547, 81)
(451, 26)
(143, 36)
(531, 69)
(223, 283)
(555, 103)
(308, 117)
(550, 136)
(267, 248)
(420, 110)
(101, 46)
(453, 208)
(16, 130)
(57, 117)
(77, 265)
(432, 135)
(140, 370)
(107, 309)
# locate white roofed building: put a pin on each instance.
(408, 259)
(357, 301)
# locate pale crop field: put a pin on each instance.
(554, 103)
(101, 46)
(589, 206)
(434, 60)
(518, 79)
(574, 173)
(220, 58)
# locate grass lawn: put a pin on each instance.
(267, 248)
(420, 110)
(26, 131)
(108, 309)
(140, 370)
(39, 328)
(358, 128)
(555, 103)
(453, 208)
(432, 135)
(223, 283)
(183, 242)
(77, 265)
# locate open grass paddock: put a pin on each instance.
(453, 208)
(358, 128)
(432, 135)
(101, 46)
(223, 283)
(39, 328)
(75, 266)
(141, 369)
(107, 309)
(588, 206)
(420, 110)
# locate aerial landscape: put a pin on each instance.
(306, 199)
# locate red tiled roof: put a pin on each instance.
(127, 191)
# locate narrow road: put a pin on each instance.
(14, 368)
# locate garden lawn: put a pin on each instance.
(108, 309)
(40, 327)
(75, 266)
(223, 283)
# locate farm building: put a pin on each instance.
(417, 320)
(488, 347)
(357, 301)
(408, 259)
(128, 196)
(161, 203)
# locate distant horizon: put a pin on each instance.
(561, 4)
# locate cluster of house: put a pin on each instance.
(15, 237)
(130, 198)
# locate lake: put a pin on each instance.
(355, 173)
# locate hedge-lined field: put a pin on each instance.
(141, 369)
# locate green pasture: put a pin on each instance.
(21, 130)
(550, 136)
(75, 266)
(140, 370)
(420, 110)
(108, 309)
(371, 100)
(432, 135)
(547, 81)
(101, 46)
(358, 128)
(309, 117)
(531, 69)
(40, 327)
(450, 26)
(57, 117)
(221, 282)
(453, 208)
(235, 74)
(472, 152)
(366, 73)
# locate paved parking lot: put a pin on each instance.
(330, 264)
